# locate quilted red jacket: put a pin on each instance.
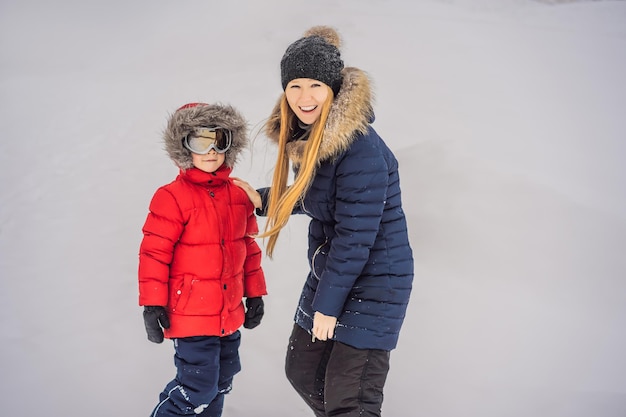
(197, 257)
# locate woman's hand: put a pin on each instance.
(323, 326)
(253, 195)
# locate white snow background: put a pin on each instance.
(508, 118)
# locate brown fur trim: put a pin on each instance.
(184, 121)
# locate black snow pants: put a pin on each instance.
(335, 379)
(205, 366)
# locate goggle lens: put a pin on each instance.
(202, 140)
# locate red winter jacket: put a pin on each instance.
(197, 257)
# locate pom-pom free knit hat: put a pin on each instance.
(195, 115)
(316, 55)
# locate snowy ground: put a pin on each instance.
(508, 120)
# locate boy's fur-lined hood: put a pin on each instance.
(350, 114)
(194, 115)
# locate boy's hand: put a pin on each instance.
(155, 319)
(254, 312)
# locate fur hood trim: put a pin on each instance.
(350, 115)
(194, 115)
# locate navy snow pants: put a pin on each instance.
(205, 369)
(336, 379)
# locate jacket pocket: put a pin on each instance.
(193, 296)
(177, 293)
(318, 260)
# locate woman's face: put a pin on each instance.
(305, 97)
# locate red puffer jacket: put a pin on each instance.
(197, 257)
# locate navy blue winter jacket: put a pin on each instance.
(359, 252)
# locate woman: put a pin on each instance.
(355, 296)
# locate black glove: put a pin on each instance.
(254, 312)
(155, 317)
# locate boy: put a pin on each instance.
(198, 260)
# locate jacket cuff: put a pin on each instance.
(264, 192)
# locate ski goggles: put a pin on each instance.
(203, 139)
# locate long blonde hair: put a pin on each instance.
(283, 198)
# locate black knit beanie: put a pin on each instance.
(315, 56)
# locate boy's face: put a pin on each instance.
(209, 162)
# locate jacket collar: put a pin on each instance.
(197, 176)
